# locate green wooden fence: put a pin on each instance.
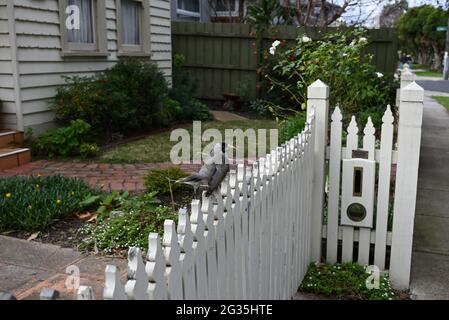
(223, 56)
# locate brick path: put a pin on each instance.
(108, 176)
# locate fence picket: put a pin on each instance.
(219, 226)
(334, 186)
(113, 288)
(211, 252)
(136, 287)
(199, 248)
(155, 269)
(172, 254)
(365, 233)
(383, 193)
(348, 232)
(185, 239)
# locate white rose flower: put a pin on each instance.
(305, 39)
(379, 74)
(273, 47)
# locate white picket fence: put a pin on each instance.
(257, 238)
(253, 243)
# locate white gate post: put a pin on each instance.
(407, 77)
(318, 102)
(409, 143)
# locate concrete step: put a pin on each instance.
(10, 138)
(14, 157)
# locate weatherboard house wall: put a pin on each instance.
(33, 56)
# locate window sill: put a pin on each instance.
(133, 54)
(68, 54)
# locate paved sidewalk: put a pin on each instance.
(26, 267)
(107, 176)
(430, 263)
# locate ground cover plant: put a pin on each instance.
(444, 101)
(344, 281)
(33, 203)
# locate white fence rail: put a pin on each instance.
(257, 236)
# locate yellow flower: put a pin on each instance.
(8, 195)
(37, 186)
(30, 207)
(72, 193)
(58, 201)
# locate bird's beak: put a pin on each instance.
(231, 146)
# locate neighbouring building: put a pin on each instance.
(37, 49)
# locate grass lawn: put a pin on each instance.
(157, 147)
(442, 100)
(429, 74)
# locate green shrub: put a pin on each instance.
(340, 61)
(344, 281)
(124, 99)
(291, 126)
(184, 90)
(66, 141)
(200, 111)
(160, 180)
(129, 224)
(32, 203)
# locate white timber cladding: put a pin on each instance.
(41, 62)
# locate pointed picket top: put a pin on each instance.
(255, 176)
(336, 115)
(113, 288)
(412, 93)
(352, 128)
(155, 266)
(137, 285)
(206, 209)
(185, 236)
(369, 128)
(232, 178)
(218, 208)
(318, 90)
(224, 186)
(388, 116)
(85, 293)
(196, 218)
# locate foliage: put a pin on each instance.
(124, 99)
(129, 224)
(417, 34)
(66, 141)
(160, 181)
(33, 203)
(442, 100)
(337, 60)
(291, 126)
(344, 281)
(264, 13)
(184, 90)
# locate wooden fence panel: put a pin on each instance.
(223, 56)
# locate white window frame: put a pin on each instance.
(99, 47)
(143, 49)
(234, 13)
(188, 13)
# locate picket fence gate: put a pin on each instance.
(257, 236)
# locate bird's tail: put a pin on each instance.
(190, 179)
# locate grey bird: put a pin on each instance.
(211, 171)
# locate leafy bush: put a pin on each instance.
(129, 224)
(344, 281)
(160, 180)
(67, 141)
(126, 98)
(338, 60)
(184, 90)
(291, 127)
(33, 203)
(200, 111)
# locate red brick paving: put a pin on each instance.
(107, 176)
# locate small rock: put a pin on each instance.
(7, 296)
(49, 294)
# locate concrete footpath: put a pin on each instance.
(26, 267)
(430, 262)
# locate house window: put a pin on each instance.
(132, 19)
(227, 7)
(89, 37)
(188, 10)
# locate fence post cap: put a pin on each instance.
(318, 90)
(412, 92)
(407, 75)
